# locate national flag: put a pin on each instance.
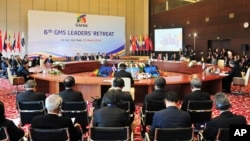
(18, 42)
(14, 42)
(5, 42)
(113, 68)
(22, 40)
(133, 43)
(1, 42)
(146, 42)
(130, 41)
(9, 46)
(151, 47)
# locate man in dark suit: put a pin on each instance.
(196, 95)
(171, 117)
(23, 71)
(235, 72)
(158, 94)
(110, 115)
(124, 73)
(49, 60)
(224, 120)
(118, 84)
(53, 121)
(69, 94)
(30, 94)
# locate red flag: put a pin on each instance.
(146, 42)
(5, 42)
(150, 44)
(18, 42)
(133, 43)
(1, 42)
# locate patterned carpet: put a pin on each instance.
(240, 105)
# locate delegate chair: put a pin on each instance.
(15, 80)
(125, 105)
(110, 134)
(241, 81)
(78, 111)
(4, 136)
(223, 134)
(173, 134)
(200, 112)
(61, 134)
(127, 87)
(30, 109)
(148, 114)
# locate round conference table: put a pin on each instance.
(93, 86)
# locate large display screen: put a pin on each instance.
(168, 39)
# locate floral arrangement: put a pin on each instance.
(54, 71)
(58, 64)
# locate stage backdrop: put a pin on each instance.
(65, 34)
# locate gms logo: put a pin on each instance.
(81, 21)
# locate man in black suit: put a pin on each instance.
(196, 95)
(49, 60)
(53, 121)
(224, 120)
(158, 94)
(30, 94)
(110, 115)
(171, 117)
(118, 84)
(235, 72)
(124, 73)
(23, 71)
(69, 94)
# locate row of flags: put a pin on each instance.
(11, 42)
(140, 43)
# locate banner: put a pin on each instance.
(65, 34)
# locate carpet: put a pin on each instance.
(240, 105)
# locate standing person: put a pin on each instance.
(235, 72)
(196, 95)
(171, 117)
(69, 94)
(30, 94)
(110, 115)
(124, 73)
(224, 120)
(15, 133)
(53, 121)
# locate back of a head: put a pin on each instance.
(69, 81)
(160, 82)
(110, 97)
(122, 66)
(30, 84)
(196, 83)
(221, 101)
(118, 82)
(172, 96)
(2, 113)
(53, 102)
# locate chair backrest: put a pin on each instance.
(109, 133)
(61, 134)
(223, 134)
(14, 80)
(200, 111)
(4, 136)
(247, 77)
(30, 109)
(127, 83)
(150, 109)
(77, 110)
(174, 134)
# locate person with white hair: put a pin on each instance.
(53, 121)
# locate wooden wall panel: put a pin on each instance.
(94, 6)
(63, 5)
(50, 5)
(104, 7)
(113, 7)
(139, 16)
(25, 6)
(74, 6)
(122, 7)
(39, 4)
(13, 17)
(3, 15)
(84, 6)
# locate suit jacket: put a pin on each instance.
(31, 95)
(155, 96)
(224, 120)
(47, 60)
(52, 121)
(123, 73)
(171, 117)
(197, 95)
(15, 133)
(110, 116)
(24, 72)
(71, 95)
